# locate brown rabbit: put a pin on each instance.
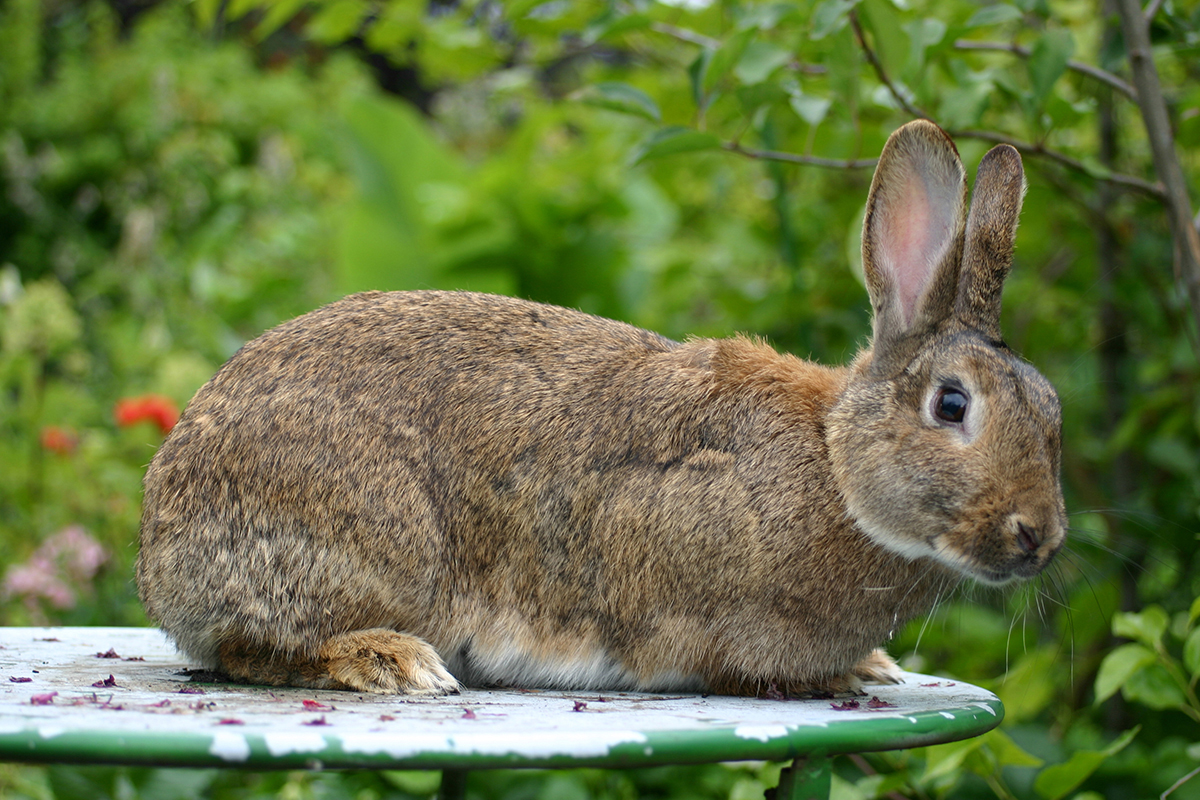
(400, 492)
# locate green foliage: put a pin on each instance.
(165, 195)
(159, 202)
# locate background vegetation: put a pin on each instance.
(176, 178)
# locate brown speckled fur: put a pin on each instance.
(530, 495)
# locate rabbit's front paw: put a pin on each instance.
(386, 662)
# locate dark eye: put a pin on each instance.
(950, 405)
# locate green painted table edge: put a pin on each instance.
(652, 748)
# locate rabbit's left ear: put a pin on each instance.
(912, 241)
(991, 232)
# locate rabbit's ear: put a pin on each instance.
(991, 231)
(912, 241)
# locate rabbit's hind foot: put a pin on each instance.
(878, 667)
(378, 660)
(386, 662)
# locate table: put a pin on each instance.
(120, 696)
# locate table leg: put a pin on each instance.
(808, 778)
(454, 785)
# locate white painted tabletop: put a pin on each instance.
(120, 695)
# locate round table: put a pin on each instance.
(122, 696)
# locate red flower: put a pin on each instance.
(150, 407)
(59, 440)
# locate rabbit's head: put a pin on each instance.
(945, 443)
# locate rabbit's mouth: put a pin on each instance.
(1016, 549)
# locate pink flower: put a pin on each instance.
(68, 558)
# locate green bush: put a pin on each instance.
(166, 196)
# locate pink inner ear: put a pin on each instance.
(917, 226)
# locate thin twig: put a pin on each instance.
(1036, 149)
(793, 158)
(880, 72)
(1152, 10)
(1179, 783)
(1104, 76)
(684, 35)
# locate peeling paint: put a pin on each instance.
(762, 733)
(229, 746)
(289, 742)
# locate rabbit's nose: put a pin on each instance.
(1028, 538)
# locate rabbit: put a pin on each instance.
(413, 492)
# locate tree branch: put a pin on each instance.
(793, 158)
(1037, 149)
(880, 72)
(1096, 73)
(1162, 149)
(1028, 148)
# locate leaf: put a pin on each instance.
(1008, 753)
(1029, 686)
(615, 24)
(1155, 688)
(206, 12)
(622, 97)
(1194, 612)
(337, 21)
(994, 15)
(922, 34)
(811, 109)
(1191, 652)
(278, 13)
(725, 57)
(759, 60)
(963, 107)
(1059, 780)
(672, 140)
(1146, 626)
(829, 17)
(946, 759)
(1048, 60)
(1118, 666)
(758, 95)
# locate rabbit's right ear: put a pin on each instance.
(912, 241)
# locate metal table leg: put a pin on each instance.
(454, 784)
(808, 778)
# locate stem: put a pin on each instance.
(1179, 783)
(684, 35)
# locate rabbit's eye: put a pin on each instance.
(951, 405)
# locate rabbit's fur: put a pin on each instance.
(402, 491)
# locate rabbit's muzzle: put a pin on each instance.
(1015, 546)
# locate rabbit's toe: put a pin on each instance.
(386, 662)
(878, 667)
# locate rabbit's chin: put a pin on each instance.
(949, 550)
